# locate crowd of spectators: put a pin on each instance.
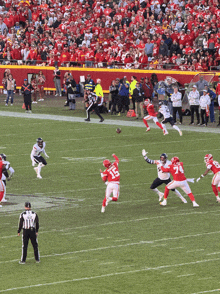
(151, 34)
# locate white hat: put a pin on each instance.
(204, 90)
(194, 86)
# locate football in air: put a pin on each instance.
(118, 130)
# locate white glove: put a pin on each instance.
(191, 180)
(198, 179)
(33, 163)
(144, 153)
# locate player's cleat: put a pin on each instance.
(165, 132)
(21, 262)
(160, 195)
(39, 176)
(183, 199)
(36, 169)
(180, 132)
(87, 119)
(164, 202)
(101, 120)
(148, 129)
(4, 200)
(195, 204)
(217, 199)
(103, 209)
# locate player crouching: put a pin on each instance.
(36, 157)
(111, 177)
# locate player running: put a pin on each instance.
(36, 157)
(162, 178)
(214, 166)
(149, 107)
(164, 110)
(111, 177)
(6, 174)
(179, 180)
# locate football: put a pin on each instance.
(118, 130)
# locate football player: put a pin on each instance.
(149, 107)
(6, 174)
(162, 178)
(36, 157)
(214, 166)
(111, 177)
(164, 110)
(2, 187)
(179, 180)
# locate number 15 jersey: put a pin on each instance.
(112, 174)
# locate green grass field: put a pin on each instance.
(136, 246)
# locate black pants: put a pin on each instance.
(157, 182)
(94, 107)
(39, 159)
(29, 234)
(123, 103)
(204, 117)
(194, 108)
(27, 101)
(179, 110)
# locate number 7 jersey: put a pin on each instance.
(112, 174)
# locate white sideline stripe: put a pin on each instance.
(208, 291)
(132, 123)
(186, 275)
(120, 246)
(116, 274)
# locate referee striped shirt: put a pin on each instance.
(28, 220)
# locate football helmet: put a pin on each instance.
(175, 160)
(3, 156)
(146, 101)
(160, 103)
(106, 163)
(208, 157)
(40, 142)
(163, 157)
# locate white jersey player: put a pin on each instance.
(164, 110)
(162, 177)
(7, 174)
(36, 157)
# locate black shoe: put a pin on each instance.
(87, 119)
(192, 123)
(101, 120)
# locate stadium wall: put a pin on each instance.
(106, 75)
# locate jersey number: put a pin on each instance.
(216, 164)
(114, 173)
(178, 169)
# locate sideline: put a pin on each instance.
(106, 121)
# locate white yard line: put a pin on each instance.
(145, 269)
(132, 123)
(207, 291)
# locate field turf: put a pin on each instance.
(136, 246)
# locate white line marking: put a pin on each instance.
(104, 263)
(187, 275)
(195, 250)
(208, 291)
(159, 245)
(167, 272)
(115, 274)
(176, 248)
(214, 253)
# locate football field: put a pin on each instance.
(136, 246)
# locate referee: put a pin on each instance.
(94, 103)
(29, 222)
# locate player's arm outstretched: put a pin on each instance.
(116, 158)
(203, 175)
(148, 160)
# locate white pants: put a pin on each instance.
(112, 188)
(216, 179)
(154, 118)
(180, 184)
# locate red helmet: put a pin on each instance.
(146, 101)
(106, 163)
(208, 157)
(175, 160)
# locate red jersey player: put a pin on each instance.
(214, 166)
(2, 189)
(179, 180)
(111, 177)
(151, 115)
(218, 95)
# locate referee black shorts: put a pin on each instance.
(39, 159)
(157, 182)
